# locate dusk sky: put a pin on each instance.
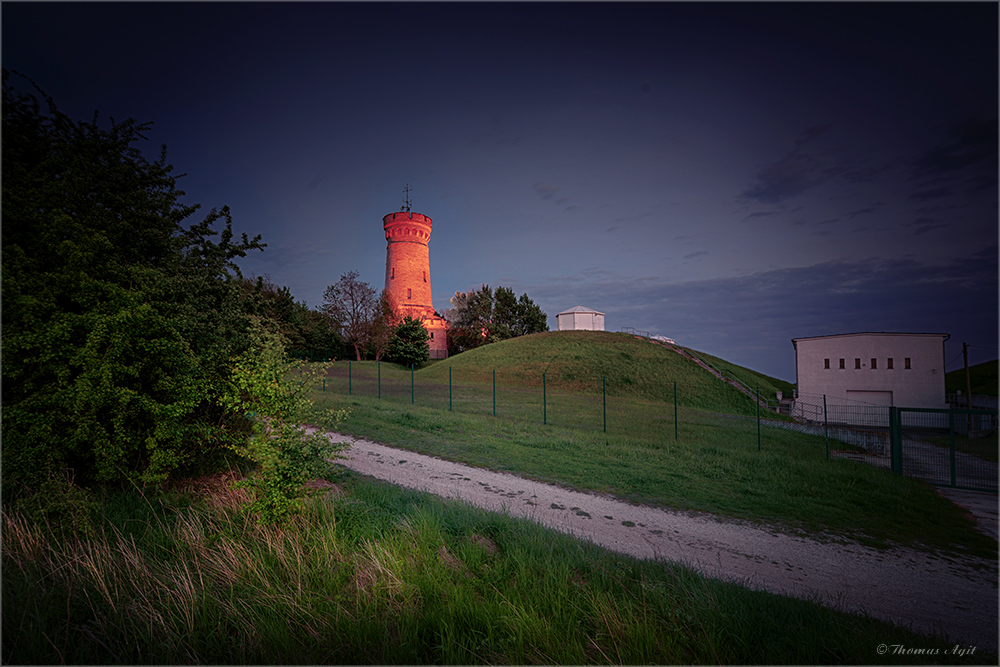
(728, 175)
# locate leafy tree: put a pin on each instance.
(486, 316)
(351, 304)
(409, 344)
(301, 327)
(119, 321)
(383, 325)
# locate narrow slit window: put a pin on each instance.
(874, 363)
(857, 363)
(906, 363)
(888, 363)
(842, 366)
(409, 293)
(826, 364)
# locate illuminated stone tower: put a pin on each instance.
(408, 274)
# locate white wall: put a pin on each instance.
(580, 321)
(919, 386)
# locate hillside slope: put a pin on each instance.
(578, 360)
(983, 378)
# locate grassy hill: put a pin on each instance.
(578, 360)
(983, 378)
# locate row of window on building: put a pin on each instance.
(874, 363)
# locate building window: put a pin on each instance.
(874, 363)
(842, 364)
(425, 276)
(826, 364)
(393, 272)
(857, 364)
(906, 363)
(409, 293)
(888, 363)
(432, 335)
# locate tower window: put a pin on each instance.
(425, 276)
(857, 363)
(874, 363)
(906, 363)
(888, 363)
(842, 364)
(409, 293)
(826, 364)
(393, 272)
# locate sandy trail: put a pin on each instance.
(912, 588)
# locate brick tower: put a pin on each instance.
(408, 274)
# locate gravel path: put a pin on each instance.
(929, 592)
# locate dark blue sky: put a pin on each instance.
(729, 175)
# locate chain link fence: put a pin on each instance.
(951, 447)
(589, 406)
(946, 447)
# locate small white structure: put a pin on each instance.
(579, 318)
(869, 369)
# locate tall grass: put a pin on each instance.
(379, 575)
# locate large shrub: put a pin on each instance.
(119, 321)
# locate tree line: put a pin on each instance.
(133, 347)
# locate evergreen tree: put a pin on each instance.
(409, 344)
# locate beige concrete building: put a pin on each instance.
(874, 369)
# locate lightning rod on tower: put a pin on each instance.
(406, 198)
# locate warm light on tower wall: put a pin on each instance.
(408, 274)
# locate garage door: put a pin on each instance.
(870, 397)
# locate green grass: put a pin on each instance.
(983, 378)
(380, 575)
(713, 465)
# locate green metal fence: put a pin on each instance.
(946, 447)
(552, 401)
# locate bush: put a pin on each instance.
(271, 392)
(409, 344)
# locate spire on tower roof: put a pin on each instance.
(406, 198)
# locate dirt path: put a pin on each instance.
(929, 592)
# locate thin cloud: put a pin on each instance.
(793, 174)
(544, 190)
(972, 142)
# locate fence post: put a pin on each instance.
(545, 407)
(604, 397)
(951, 441)
(757, 392)
(676, 430)
(826, 431)
(895, 440)
(494, 392)
(412, 398)
(449, 388)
